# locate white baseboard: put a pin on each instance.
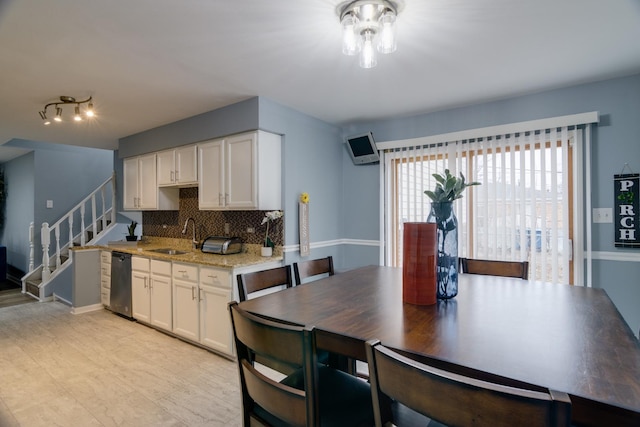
(86, 308)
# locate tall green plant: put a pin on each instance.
(448, 187)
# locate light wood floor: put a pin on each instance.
(98, 369)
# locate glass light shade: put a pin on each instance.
(368, 57)
(58, 117)
(89, 112)
(77, 117)
(387, 37)
(350, 40)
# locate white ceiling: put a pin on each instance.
(152, 62)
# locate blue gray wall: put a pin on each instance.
(616, 141)
(63, 174)
(344, 209)
(19, 184)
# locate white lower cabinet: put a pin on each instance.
(160, 294)
(215, 294)
(140, 295)
(105, 278)
(186, 322)
(200, 298)
(151, 292)
(189, 300)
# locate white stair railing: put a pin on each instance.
(106, 213)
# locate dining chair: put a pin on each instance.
(249, 283)
(495, 268)
(306, 269)
(313, 395)
(399, 383)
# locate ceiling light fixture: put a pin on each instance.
(66, 100)
(368, 26)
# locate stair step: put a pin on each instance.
(32, 286)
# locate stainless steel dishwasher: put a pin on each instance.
(121, 284)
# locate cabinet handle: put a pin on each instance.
(172, 179)
(212, 276)
(177, 175)
(145, 282)
(193, 296)
(226, 199)
(150, 283)
(220, 202)
(199, 294)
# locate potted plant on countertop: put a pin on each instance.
(448, 188)
(268, 245)
(132, 232)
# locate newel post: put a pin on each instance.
(45, 238)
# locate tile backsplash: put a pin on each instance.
(209, 223)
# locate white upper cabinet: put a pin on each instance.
(178, 167)
(241, 172)
(140, 188)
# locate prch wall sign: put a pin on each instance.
(626, 210)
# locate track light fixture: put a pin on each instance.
(67, 100)
(367, 26)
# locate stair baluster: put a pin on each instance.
(46, 240)
(83, 239)
(57, 234)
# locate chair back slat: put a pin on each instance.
(249, 283)
(455, 399)
(307, 269)
(496, 268)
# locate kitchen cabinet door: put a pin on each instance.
(186, 159)
(186, 310)
(211, 167)
(140, 302)
(161, 309)
(241, 187)
(130, 183)
(215, 294)
(178, 166)
(215, 325)
(165, 162)
(147, 184)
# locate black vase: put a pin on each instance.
(131, 238)
(447, 269)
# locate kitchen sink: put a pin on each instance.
(168, 251)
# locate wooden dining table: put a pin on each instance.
(512, 331)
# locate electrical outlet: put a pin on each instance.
(602, 215)
(227, 228)
(251, 230)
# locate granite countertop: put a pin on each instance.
(249, 256)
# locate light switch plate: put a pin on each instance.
(49, 204)
(602, 215)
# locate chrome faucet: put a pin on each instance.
(194, 242)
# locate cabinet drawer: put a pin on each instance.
(139, 264)
(160, 267)
(105, 257)
(185, 272)
(215, 277)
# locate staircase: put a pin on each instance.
(67, 232)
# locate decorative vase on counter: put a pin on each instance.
(447, 227)
(131, 238)
(266, 251)
(419, 261)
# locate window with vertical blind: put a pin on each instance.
(524, 209)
